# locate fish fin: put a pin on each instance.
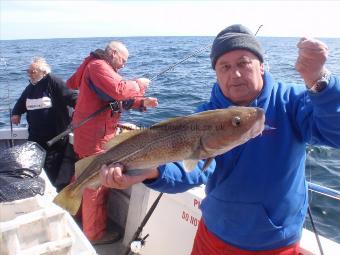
(120, 138)
(204, 113)
(207, 163)
(69, 199)
(82, 164)
(189, 164)
(182, 118)
(166, 122)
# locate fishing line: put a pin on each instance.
(315, 231)
(309, 170)
(309, 150)
(310, 187)
(266, 58)
(4, 63)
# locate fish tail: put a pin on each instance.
(69, 199)
(84, 163)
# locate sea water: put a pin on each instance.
(179, 90)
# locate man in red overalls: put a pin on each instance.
(99, 83)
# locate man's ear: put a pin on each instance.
(262, 68)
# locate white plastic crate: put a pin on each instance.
(36, 226)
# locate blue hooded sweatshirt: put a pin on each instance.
(256, 194)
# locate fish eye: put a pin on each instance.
(236, 121)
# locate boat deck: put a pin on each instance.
(116, 248)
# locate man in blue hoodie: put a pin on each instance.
(256, 194)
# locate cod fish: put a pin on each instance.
(189, 138)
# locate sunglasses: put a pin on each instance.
(32, 71)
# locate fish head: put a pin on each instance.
(231, 127)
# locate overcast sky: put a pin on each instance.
(108, 18)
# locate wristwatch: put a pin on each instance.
(322, 83)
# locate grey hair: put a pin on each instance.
(41, 64)
(115, 45)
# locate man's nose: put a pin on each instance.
(235, 71)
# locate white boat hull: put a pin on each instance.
(173, 224)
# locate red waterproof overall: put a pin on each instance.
(95, 78)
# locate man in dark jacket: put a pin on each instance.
(45, 102)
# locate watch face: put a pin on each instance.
(319, 86)
(321, 83)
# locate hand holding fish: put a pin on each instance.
(311, 60)
(112, 176)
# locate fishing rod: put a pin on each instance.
(189, 56)
(4, 63)
(137, 243)
(258, 29)
(180, 62)
(116, 106)
(11, 125)
(315, 231)
(113, 105)
(9, 109)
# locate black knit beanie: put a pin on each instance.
(235, 37)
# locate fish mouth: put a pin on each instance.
(257, 130)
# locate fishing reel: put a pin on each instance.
(137, 245)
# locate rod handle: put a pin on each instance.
(58, 137)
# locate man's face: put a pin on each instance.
(34, 73)
(120, 57)
(239, 75)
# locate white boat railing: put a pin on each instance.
(332, 193)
